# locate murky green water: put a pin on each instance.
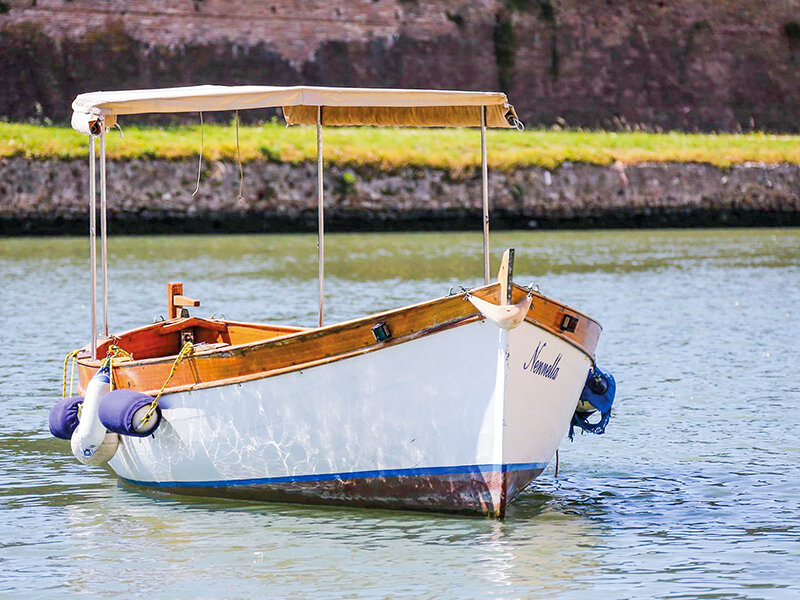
(694, 491)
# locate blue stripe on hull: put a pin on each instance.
(420, 471)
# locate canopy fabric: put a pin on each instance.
(401, 116)
(341, 106)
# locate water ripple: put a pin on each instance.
(692, 493)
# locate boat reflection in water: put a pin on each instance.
(282, 548)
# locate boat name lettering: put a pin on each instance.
(540, 367)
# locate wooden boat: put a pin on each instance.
(454, 404)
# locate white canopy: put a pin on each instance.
(341, 106)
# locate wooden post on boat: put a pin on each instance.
(505, 276)
(320, 219)
(485, 189)
(176, 300)
(174, 288)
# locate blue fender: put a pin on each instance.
(63, 418)
(122, 411)
(599, 391)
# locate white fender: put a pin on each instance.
(91, 443)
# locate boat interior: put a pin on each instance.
(166, 338)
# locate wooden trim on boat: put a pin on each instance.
(549, 315)
(183, 323)
(237, 352)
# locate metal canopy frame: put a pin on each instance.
(100, 133)
(93, 239)
(320, 219)
(485, 190)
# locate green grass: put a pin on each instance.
(390, 148)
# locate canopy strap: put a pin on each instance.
(516, 124)
(239, 158)
(200, 161)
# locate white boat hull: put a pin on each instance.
(459, 420)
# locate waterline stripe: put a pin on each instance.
(421, 471)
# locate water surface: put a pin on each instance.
(694, 491)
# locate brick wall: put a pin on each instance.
(718, 64)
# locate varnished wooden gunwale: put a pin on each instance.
(285, 349)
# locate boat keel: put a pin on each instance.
(476, 492)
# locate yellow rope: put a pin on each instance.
(72, 374)
(185, 351)
(71, 355)
(114, 352)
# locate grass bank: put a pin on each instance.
(390, 148)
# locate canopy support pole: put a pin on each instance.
(93, 240)
(103, 226)
(485, 182)
(320, 218)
